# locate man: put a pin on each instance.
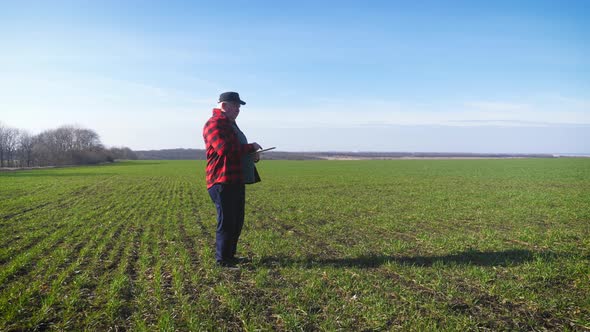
(230, 165)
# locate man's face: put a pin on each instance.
(231, 110)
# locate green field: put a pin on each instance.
(333, 245)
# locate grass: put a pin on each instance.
(333, 245)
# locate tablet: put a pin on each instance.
(264, 150)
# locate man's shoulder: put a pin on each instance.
(216, 123)
(216, 120)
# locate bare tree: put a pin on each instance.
(86, 139)
(5, 144)
(42, 154)
(2, 144)
(45, 148)
(87, 147)
(64, 144)
(26, 149)
(10, 145)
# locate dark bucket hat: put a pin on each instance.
(231, 96)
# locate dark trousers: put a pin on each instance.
(229, 199)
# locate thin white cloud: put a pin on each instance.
(497, 106)
(514, 123)
(145, 115)
(332, 113)
(578, 103)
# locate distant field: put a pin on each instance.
(334, 245)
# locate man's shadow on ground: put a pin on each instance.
(471, 257)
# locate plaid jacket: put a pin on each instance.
(224, 151)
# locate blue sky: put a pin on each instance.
(452, 76)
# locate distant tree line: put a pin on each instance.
(172, 154)
(199, 154)
(66, 145)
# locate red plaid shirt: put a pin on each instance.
(224, 151)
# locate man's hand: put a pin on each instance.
(256, 146)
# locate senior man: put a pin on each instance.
(230, 165)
